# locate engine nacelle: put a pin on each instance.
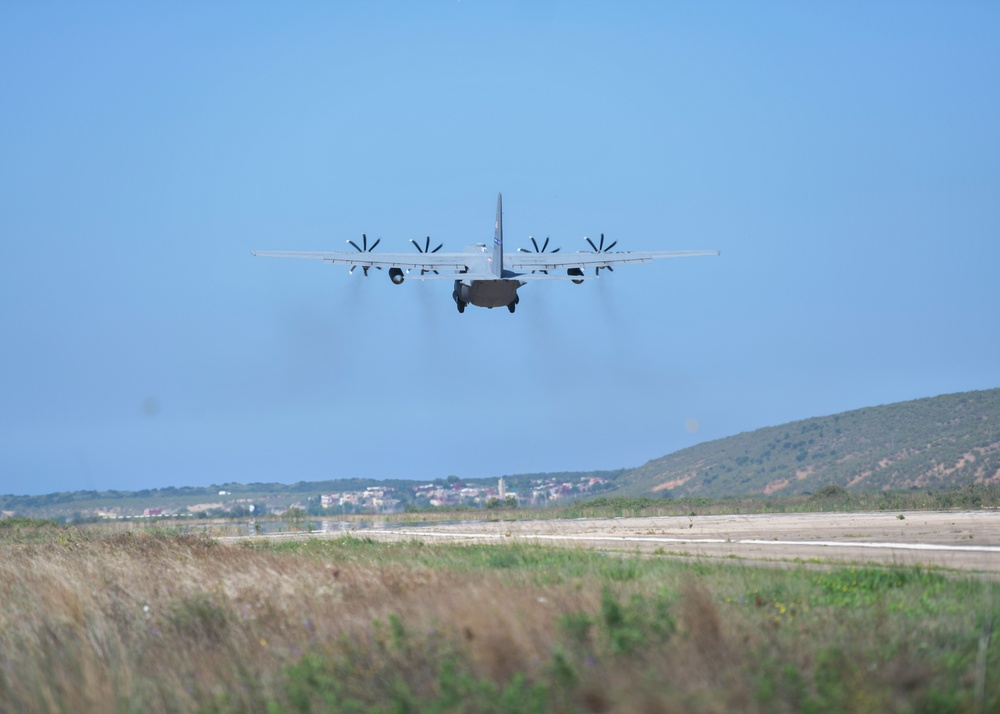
(396, 275)
(576, 271)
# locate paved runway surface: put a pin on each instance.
(967, 540)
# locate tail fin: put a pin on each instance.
(498, 239)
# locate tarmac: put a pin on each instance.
(958, 540)
(961, 540)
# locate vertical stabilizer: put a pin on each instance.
(497, 263)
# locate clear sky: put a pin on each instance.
(844, 157)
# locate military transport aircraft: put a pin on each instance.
(484, 277)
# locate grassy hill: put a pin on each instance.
(936, 443)
(933, 443)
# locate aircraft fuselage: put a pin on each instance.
(485, 293)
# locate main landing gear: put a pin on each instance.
(461, 304)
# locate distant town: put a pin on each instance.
(452, 492)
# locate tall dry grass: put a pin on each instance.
(173, 623)
(170, 624)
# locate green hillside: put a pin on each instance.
(931, 443)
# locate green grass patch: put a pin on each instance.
(18, 530)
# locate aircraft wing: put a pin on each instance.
(524, 261)
(407, 261)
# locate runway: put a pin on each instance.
(967, 540)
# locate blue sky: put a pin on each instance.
(845, 158)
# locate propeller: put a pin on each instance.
(364, 248)
(599, 248)
(427, 249)
(542, 249)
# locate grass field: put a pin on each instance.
(166, 622)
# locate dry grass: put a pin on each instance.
(174, 623)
